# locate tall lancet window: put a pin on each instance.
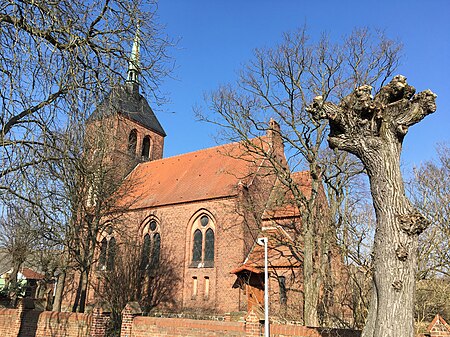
(203, 242)
(151, 246)
(132, 141)
(146, 148)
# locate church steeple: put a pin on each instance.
(134, 64)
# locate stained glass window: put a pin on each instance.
(102, 257)
(152, 225)
(156, 249)
(204, 220)
(111, 254)
(283, 293)
(209, 245)
(145, 252)
(197, 248)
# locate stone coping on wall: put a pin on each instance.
(232, 316)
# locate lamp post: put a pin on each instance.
(263, 242)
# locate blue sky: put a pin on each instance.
(217, 37)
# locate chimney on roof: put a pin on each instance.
(276, 141)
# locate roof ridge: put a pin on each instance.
(198, 151)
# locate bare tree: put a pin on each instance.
(145, 278)
(279, 83)
(19, 231)
(373, 129)
(430, 191)
(431, 299)
(53, 55)
(82, 200)
(58, 59)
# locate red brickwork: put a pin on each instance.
(279, 330)
(253, 327)
(9, 322)
(139, 326)
(150, 326)
(54, 324)
(439, 327)
(130, 311)
(176, 225)
(26, 322)
(100, 322)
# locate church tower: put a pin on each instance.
(125, 124)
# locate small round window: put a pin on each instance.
(152, 225)
(204, 220)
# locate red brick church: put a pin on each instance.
(200, 212)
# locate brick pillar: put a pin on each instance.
(252, 325)
(101, 316)
(131, 310)
(24, 304)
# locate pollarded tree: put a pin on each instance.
(373, 129)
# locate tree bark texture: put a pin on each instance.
(311, 282)
(373, 129)
(57, 302)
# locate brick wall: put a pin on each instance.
(135, 325)
(26, 322)
(8, 318)
(279, 330)
(54, 324)
(151, 326)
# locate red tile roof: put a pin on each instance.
(438, 325)
(31, 274)
(278, 253)
(206, 174)
(281, 202)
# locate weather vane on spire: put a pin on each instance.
(134, 62)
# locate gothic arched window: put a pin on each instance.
(156, 249)
(151, 247)
(132, 141)
(103, 251)
(209, 246)
(111, 254)
(203, 242)
(197, 247)
(108, 250)
(145, 252)
(146, 148)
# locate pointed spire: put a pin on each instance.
(134, 62)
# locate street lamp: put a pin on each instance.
(263, 242)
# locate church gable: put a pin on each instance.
(438, 327)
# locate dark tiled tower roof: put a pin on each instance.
(127, 101)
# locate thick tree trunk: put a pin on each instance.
(84, 289)
(395, 246)
(373, 129)
(80, 298)
(310, 283)
(60, 283)
(13, 284)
